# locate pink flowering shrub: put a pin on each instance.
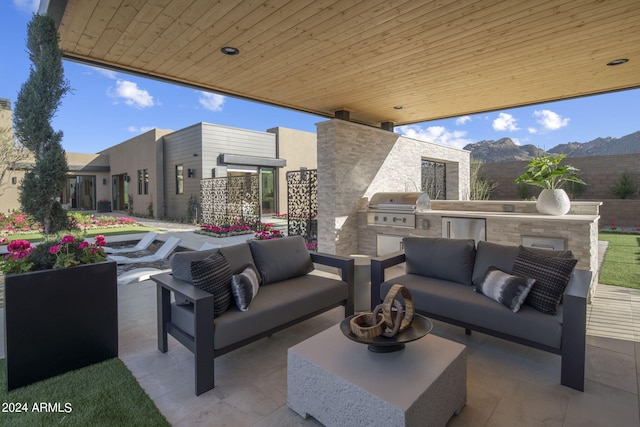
(68, 252)
(18, 223)
(268, 234)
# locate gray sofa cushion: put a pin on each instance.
(491, 254)
(462, 303)
(274, 306)
(238, 256)
(446, 259)
(181, 263)
(281, 259)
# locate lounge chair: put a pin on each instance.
(140, 246)
(207, 245)
(162, 253)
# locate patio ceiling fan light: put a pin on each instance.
(230, 50)
(617, 62)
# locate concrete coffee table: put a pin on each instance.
(339, 382)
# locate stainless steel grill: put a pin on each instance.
(397, 209)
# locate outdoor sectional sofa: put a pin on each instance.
(443, 274)
(290, 292)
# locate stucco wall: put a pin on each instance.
(357, 161)
(298, 148)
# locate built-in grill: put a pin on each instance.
(397, 209)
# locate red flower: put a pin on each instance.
(68, 239)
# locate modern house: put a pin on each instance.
(156, 173)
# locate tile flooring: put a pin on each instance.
(508, 384)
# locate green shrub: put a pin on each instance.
(625, 187)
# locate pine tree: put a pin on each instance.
(37, 103)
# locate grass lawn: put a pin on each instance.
(106, 232)
(621, 265)
(105, 394)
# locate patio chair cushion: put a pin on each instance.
(505, 288)
(446, 259)
(213, 275)
(552, 274)
(281, 259)
(244, 287)
(490, 254)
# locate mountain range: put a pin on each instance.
(505, 150)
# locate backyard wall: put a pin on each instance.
(601, 173)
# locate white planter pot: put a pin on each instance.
(553, 202)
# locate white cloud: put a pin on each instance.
(107, 73)
(550, 120)
(139, 129)
(437, 134)
(131, 94)
(505, 122)
(532, 130)
(27, 5)
(462, 120)
(516, 141)
(211, 101)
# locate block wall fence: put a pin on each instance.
(601, 173)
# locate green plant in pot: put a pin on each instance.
(546, 172)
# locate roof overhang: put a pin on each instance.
(398, 62)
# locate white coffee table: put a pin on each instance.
(339, 382)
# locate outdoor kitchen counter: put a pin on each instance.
(577, 233)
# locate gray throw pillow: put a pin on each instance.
(181, 262)
(551, 273)
(281, 259)
(213, 275)
(244, 287)
(505, 288)
(439, 258)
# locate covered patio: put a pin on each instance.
(379, 64)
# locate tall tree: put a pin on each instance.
(37, 103)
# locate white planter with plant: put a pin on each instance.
(546, 172)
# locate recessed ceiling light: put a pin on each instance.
(617, 62)
(398, 107)
(228, 50)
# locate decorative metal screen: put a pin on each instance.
(434, 179)
(302, 204)
(230, 200)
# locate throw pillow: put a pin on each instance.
(244, 287)
(281, 259)
(213, 275)
(551, 274)
(507, 289)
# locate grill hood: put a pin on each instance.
(414, 202)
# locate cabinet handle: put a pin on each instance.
(448, 229)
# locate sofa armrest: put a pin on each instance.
(347, 273)
(574, 329)
(378, 266)
(185, 289)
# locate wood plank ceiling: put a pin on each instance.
(436, 59)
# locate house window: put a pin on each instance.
(179, 179)
(146, 181)
(139, 181)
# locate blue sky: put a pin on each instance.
(107, 108)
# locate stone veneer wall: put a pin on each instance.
(357, 161)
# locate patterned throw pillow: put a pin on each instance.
(244, 287)
(551, 274)
(213, 275)
(507, 289)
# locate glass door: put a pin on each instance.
(267, 189)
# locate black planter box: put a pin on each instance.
(104, 206)
(59, 320)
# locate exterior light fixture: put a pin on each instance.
(617, 62)
(398, 107)
(229, 50)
